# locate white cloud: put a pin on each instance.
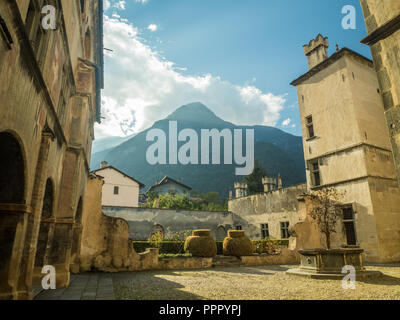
(141, 1)
(107, 5)
(142, 87)
(120, 5)
(286, 122)
(152, 27)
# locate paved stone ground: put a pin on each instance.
(251, 283)
(244, 283)
(90, 286)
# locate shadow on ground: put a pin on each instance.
(129, 286)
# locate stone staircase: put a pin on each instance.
(226, 262)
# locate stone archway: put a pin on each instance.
(220, 233)
(12, 211)
(157, 228)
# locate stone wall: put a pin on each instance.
(268, 208)
(106, 243)
(142, 221)
(382, 19)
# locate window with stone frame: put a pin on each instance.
(349, 225)
(315, 173)
(285, 229)
(264, 231)
(310, 127)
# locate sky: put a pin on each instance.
(237, 57)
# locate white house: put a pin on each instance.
(119, 189)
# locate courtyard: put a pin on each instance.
(244, 283)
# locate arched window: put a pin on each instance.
(12, 175)
(157, 228)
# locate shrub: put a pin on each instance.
(237, 244)
(269, 246)
(201, 244)
(166, 247)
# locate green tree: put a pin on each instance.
(173, 201)
(254, 180)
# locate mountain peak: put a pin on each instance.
(195, 111)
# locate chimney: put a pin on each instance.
(179, 180)
(279, 181)
(157, 182)
(316, 51)
(103, 164)
(230, 194)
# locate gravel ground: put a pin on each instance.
(250, 283)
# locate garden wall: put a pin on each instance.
(142, 220)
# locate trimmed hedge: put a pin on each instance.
(167, 247)
(237, 244)
(201, 244)
(172, 247)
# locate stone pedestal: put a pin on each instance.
(324, 264)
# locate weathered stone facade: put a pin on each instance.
(50, 98)
(270, 208)
(346, 146)
(106, 244)
(382, 19)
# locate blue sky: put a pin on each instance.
(237, 56)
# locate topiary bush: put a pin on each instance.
(201, 244)
(237, 244)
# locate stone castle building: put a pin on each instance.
(347, 146)
(382, 19)
(50, 99)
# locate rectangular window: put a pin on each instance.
(116, 190)
(315, 174)
(238, 227)
(264, 231)
(285, 230)
(349, 227)
(310, 127)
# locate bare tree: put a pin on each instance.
(325, 211)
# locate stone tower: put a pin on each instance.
(316, 51)
(346, 146)
(269, 184)
(240, 189)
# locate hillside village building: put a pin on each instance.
(50, 84)
(346, 146)
(119, 189)
(169, 185)
(382, 19)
